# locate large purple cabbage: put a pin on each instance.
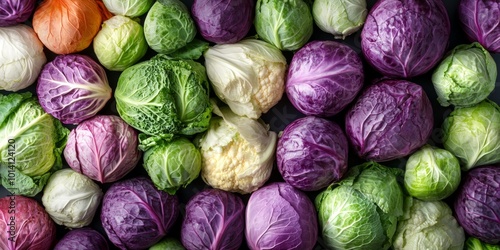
(214, 219)
(24, 225)
(82, 239)
(324, 77)
(312, 153)
(279, 216)
(480, 20)
(391, 119)
(223, 21)
(136, 215)
(73, 88)
(477, 204)
(104, 148)
(405, 38)
(13, 12)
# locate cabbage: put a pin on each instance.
(405, 38)
(32, 229)
(172, 165)
(361, 211)
(22, 57)
(168, 26)
(13, 12)
(104, 148)
(120, 43)
(323, 78)
(136, 215)
(472, 134)
(82, 239)
(129, 8)
(391, 119)
(223, 21)
(237, 152)
(248, 75)
(480, 20)
(339, 17)
(168, 243)
(73, 88)
(162, 98)
(278, 216)
(35, 149)
(432, 174)
(71, 199)
(214, 219)
(288, 25)
(466, 76)
(428, 225)
(477, 204)
(312, 153)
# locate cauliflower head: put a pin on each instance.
(248, 75)
(237, 152)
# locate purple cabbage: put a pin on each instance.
(214, 219)
(223, 21)
(323, 78)
(13, 12)
(477, 203)
(73, 88)
(279, 216)
(312, 153)
(104, 148)
(405, 38)
(136, 215)
(25, 224)
(390, 120)
(480, 21)
(82, 239)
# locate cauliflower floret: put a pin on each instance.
(231, 161)
(249, 75)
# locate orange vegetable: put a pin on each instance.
(67, 26)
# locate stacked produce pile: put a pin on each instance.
(249, 124)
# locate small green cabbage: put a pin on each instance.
(361, 211)
(163, 97)
(339, 17)
(428, 225)
(466, 76)
(130, 8)
(237, 152)
(248, 75)
(472, 134)
(168, 26)
(173, 164)
(71, 199)
(432, 174)
(288, 25)
(475, 244)
(31, 144)
(120, 43)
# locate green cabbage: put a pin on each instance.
(31, 144)
(432, 174)
(168, 26)
(361, 211)
(288, 25)
(163, 97)
(173, 164)
(466, 76)
(428, 225)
